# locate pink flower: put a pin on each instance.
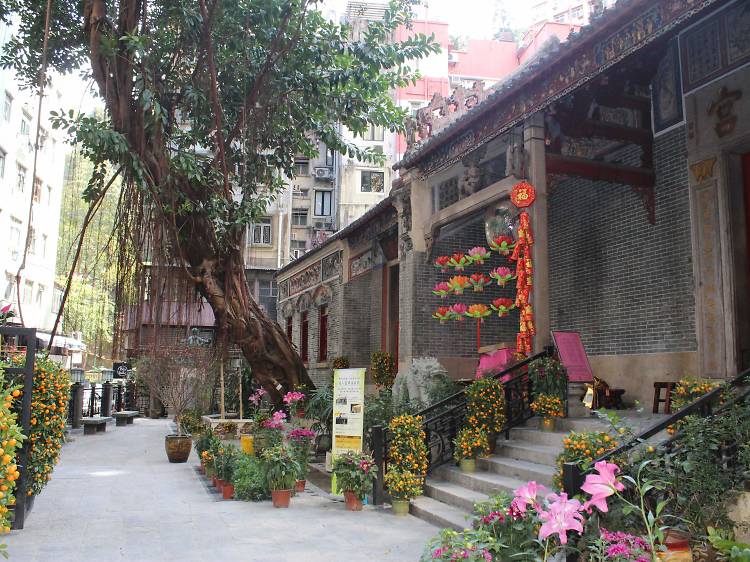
(5, 309)
(290, 397)
(478, 255)
(276, 421)
(442, 290)
(526, 495)
(300, 435)
(459, 310)
(256, 397)
(602, 485)
(562, 515)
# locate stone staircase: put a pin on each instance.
(529, 454)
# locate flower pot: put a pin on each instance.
(468, 465)
(299, 486)
(219, 484)
(228, 491)
(400, 507)
(353, 503)
(214, 481)
(247, 444)
(178, 447)
(492, 440)
(280, 498)
(548, 425)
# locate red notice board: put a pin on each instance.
(573, 356)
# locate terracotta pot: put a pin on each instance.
(228, 491)
(219, 484)
(547, 424)
(178, 447)
(280, 498)
(400, 507)
(353, 503)
(468, 465)
(299, 486)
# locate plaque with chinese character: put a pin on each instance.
(523, 194)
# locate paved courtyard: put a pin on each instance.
(114, 496)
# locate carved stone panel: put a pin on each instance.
(305, 279)
(361, 264)
(332, 265)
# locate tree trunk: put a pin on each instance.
(217, 268)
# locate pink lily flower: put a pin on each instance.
(526, 495)
(602, 485)
(563, 515)
(5, 309)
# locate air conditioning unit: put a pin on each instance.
(325, 224)
(323, 173)
(452, 57)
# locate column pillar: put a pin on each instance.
(536, 166)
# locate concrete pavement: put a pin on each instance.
(114, 496)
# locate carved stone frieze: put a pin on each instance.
(331, 265)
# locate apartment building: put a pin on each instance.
(20, 189)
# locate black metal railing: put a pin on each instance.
(573, 475)
(442, 421)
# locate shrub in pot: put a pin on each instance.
(485, 408)
(225, 461)
(469, 444)
(402, 487)
(176, 375)
(301, 441)
(282, 469)
(355, 473)
(249, 479)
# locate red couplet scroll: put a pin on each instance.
(573, 356)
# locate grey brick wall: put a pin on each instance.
(456, 339)
(624, 284)
(362, 297)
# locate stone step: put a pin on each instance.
(533, 435)
(453, 494)
(438, 513)
(532, 452)
(485, 482)
(564, 425)
(518, 469)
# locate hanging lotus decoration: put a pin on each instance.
(459, 261)
(479, 255)
(458, 311)
(502, 275)
(479, 281)
(502, 245)
(443, 314)
(442, 263)
(458, 283)
(478, 311)
(442, 290)
(502, 306)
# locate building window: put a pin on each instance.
(20, 178)
(289, 325)
(577, 13)
(7, 107)
(25, 127)
(2, 163)
(299, 217)
(15, 237)
(262, 232)
(267, 289)
(560, 18)
(44, 245)
(37, 193)
(323, 334)
(323, 203)
(374, 133)
(28, 291)
(329, 157)
(301, 168)
(32, 241)
(298, 248)
(40, 295)
(10, 287)
(372, 182)
(303, 351)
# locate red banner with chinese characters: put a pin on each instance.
(522, 196)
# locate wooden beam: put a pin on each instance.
(584, 128)
(599, 171)
(611, 99)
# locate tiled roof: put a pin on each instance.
(534, 69)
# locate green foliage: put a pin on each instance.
(340, 363)
(382, 369)
(548, 376)
(355, 472)
(485, 405)
(207, 441)
(281, 466)
(319, 407)
(724, 543)
(381, 409)
(225, 462)
(190, 421)
(249, 479)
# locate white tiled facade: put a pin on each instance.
(18, 111)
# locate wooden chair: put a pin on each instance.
(667, 400)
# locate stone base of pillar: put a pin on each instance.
(576, 409)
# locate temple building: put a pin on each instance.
(636, 139)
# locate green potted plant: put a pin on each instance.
(319, 408)
(485, 408)
(301, 440)
(548, 407)
(548, 376)
(354, 473)
(382, 369)
(225, 470)
(249, 479)
(282, 469)
(402, 487)
(470, 443)
(176, 375)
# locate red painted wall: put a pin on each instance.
(536, 38)
(485, 58)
